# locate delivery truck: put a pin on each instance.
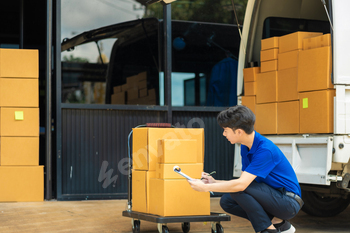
(293, 72)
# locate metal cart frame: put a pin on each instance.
(214, 218)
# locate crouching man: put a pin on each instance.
(267, 193)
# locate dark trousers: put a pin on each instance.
(260, 203)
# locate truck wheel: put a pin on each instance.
(317, 205)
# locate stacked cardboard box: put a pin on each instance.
(289, 98)
(134, 91)
(19, 126)
(315, 87)
(157, 189)
(249, 98)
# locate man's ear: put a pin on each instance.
(239, 132)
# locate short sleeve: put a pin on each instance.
(262, 164)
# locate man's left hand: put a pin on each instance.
(197, 185)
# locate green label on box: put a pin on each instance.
(305, 102)
(19, 116)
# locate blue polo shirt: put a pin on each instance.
(268, 163)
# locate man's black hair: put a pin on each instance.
(237, 117)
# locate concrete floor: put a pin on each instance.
(106, 216)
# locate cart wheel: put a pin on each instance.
(136, 226)
(219, 228)
(186, 227)
(165, 229)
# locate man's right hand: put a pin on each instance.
(207, 179)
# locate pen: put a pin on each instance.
(213, 172)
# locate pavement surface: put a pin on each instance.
(106, 216)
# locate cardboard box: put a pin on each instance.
(143, 92)
(152, 94)
(15, 92)
(118, 98)
(270, 43)
(21, 183)
(19, 122)
(142, 84)
(266, 87)
(22, 151)
(288, 60)
(249, 101)
(165, 171)
(314, 69)
(266, 118)
(316, 111)
(316, 42)
(270, 54)
(132, 94)
(125, 87)
(294, 41)
(177, 151)
(141, 190)
(145, 144)
(117, 89)
(249, 88)
(288, 117)
(249, 74)
(287, 85)
(174, 197)
(267, 66)
(134, 81)
(19, 63)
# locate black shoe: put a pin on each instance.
(285, 227)
(271, 231)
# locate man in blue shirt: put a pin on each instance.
(267, 192)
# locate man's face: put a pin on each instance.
(230, 135)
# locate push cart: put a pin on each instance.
(214, 218)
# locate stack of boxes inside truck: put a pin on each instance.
(134, 91)
(22, 179)
(156, 188)
(294, 91)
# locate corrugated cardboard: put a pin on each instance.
(314, 69)
(132, 93)
(270, 54)
(143, 92)
(21, 183)
(165, 171)
(147, 100)
(125, 87)
(270, 43)
(249, 101)
(249, 74)
(266, 118)
(145, 144)
(134, 81)
(288, 85)
(316, 111)
(288, 117)
(19, 122)
(15, 92)
(177, 151)
(141, 190)
(288, 60)
(316, 42)
(142, 84)
(23, 151)
(118, 98)
(294, 41)
(19, 63)
(267, 66)
(176, 198)
(117, 89)
(250, 88)
(152, 94)
(266, 88)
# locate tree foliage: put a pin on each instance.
(216, 11)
